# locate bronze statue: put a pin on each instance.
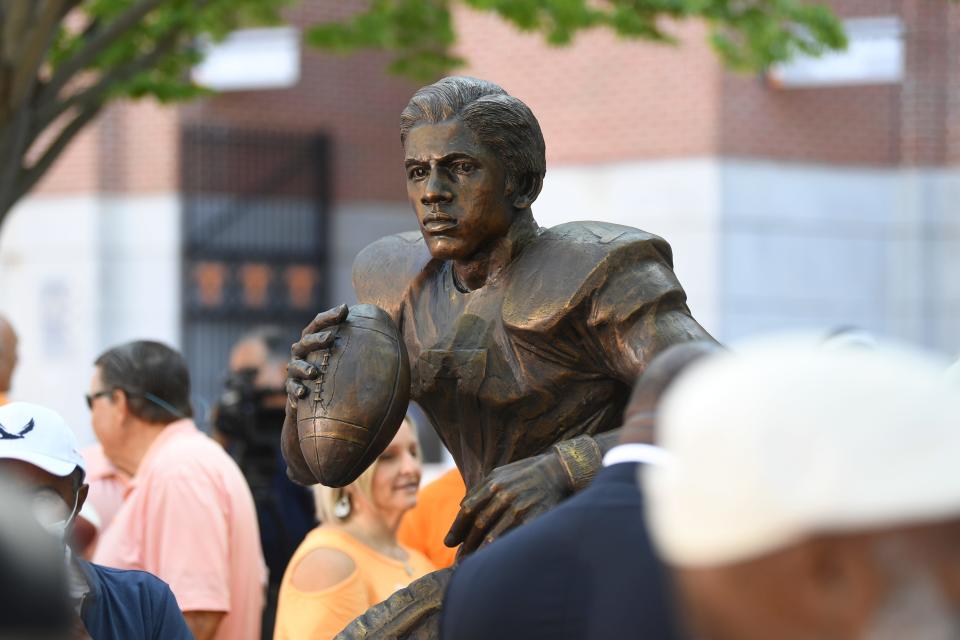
(524, 342)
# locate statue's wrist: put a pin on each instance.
(580, 458)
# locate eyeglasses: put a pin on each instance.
(98, 394)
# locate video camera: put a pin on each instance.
(250, 418)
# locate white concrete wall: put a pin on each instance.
(817, 247)
(81, 274)
(678, 200)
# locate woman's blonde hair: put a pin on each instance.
(326, 498)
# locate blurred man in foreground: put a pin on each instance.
(189, 516)
(585, 569)
(39, 449)
(812, 494)
(8, 357)
(34, 600)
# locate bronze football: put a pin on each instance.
(357, 402)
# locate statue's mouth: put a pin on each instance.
(436, 221)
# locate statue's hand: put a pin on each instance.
(412, 613)
(511, 495)
(317, 335)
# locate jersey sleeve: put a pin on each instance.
(638, 309)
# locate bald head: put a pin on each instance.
(8, 353)
(650, 387)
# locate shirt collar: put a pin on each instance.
(168, 433)
(642, 453)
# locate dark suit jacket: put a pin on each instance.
(586, 569)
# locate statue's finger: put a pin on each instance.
(312, 342)
(326, 319)
(485, 520)
(458, 530)
(295, 390)
(302, 370)
(503, 525)
(478, 497)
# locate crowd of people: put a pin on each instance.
(169, 533)
(788, 488)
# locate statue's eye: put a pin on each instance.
(464, 167)
(417, 173)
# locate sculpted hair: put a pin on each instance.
(502, 123)
(154, 377)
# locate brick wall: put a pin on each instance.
(603, 99)
(836, 125)
(600, 100)
(130, 148)
(914, 123)
(351, 99)
(928, 134)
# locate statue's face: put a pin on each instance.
(457, 189)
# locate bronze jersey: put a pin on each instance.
(546, 350)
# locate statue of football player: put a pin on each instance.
(524, 342)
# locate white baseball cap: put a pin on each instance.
(38, 435)
(780, 441)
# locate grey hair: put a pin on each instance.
(503, 124)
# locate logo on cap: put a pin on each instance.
(6, 435)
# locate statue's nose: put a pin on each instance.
(437, 190)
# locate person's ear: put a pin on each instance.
(121, 401)
(838, 584)
(525, 191)
(82, 496)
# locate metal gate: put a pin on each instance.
(254, 227)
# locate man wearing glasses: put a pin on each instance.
(39, 452)
(189, 516)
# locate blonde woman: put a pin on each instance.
(353, 559)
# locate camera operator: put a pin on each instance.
(248, 418)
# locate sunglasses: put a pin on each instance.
(99, 394)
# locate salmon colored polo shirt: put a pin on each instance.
(189, 519)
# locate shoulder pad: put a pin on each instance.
(566, 264)
(384, 270)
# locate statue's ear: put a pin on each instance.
(525, 191)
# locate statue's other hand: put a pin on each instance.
(317, 335)
(511, 495)
(412, 613)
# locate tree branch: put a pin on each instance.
(47, 113)
(13, 145)
(98, 43)
(15, 15)
(33, 53)
(29, 176)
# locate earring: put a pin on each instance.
(342, 508)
